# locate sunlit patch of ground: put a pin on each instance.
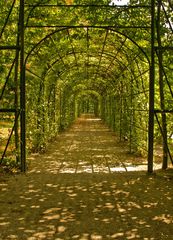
(89, 146)
(86, 206)
(74, 192)
(5, 131)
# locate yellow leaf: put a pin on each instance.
(69, 2)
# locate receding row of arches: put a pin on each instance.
(106, 67)
(89, 70)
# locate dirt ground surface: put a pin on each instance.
(86, 186)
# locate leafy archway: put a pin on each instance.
(93, 59)
(76, 51)
(87, 101)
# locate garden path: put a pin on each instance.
(83, 188)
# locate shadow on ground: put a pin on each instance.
(73, 192)
(86, 206)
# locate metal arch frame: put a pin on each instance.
(23, 61)
(69, 53)
(61, 59)
(151, 124)
(163, 78)
(103, 54)
(111, 75)
(91, 95)
(98, 27)
(14, 66)
(67, 68)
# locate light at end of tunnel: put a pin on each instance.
(119, 2)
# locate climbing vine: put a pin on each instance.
(89, 57)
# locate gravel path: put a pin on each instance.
(82, 189)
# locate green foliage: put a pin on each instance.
(73, 68)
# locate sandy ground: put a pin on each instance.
(84, 188)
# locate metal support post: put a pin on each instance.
(151, 93)
(22, 90)
(16, 129)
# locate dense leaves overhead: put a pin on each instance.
(87, 52)
(90, 53)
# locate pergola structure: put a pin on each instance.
(90, 63)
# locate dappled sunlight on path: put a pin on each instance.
(88, 146)
(71, 192)
(86, 206)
